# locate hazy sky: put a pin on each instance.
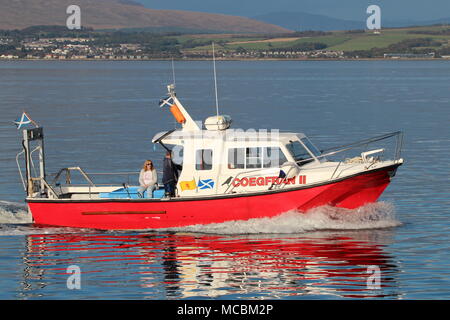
(344, 9)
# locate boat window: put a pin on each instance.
(203, 159)
(236, 158)
(177, 154)
(255, 157)
(311, 147)
(273, 157)
(298, 151)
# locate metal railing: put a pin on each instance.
(92, 180)
(362, 143)
(50, 190)
(20, 169)
(32, 166)
(365, 143)
(68, 175)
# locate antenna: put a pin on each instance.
(172, 89)
(215, 80)
(173, 73)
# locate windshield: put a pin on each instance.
(300, 153)
(311, 147)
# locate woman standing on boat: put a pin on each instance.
(147, 179)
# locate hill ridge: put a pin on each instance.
(118, 14)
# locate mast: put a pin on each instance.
(215, 80)
(173, 74)
(189, 124)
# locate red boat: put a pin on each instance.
(226, 175)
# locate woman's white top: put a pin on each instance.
(148, 177)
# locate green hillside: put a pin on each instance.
(395, 40)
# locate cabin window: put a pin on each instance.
(308, 144)
(255, 158)
(203, 159)
(177, 154)
(273, 157)
(236, 158)
(300, 153)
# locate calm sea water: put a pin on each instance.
(102, 115)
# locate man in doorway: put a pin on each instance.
(170, 174)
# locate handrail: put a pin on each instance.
(101, 173)
(49, 188)
(335, 170)
(342, 148)
(399, 145)
(53, 192)
(365, 141)
(31, 158)
(20, 170)
(112, 173)
(67, 170)
(88, 176)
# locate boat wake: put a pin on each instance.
(15, 220)
(371, 216)
(14, 213)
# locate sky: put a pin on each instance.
(343, 9)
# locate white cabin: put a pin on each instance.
(225, 161)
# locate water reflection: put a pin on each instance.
(176, 265)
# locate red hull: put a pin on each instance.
(348, 193)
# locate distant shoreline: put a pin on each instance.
(231, 59)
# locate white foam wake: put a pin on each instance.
(371, 216)
(15, 220)
(14, 213)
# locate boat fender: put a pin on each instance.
(177, 114)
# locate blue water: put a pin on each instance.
(102, 115)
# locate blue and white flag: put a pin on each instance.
(23, 120)
(206, 184)
(167, 100)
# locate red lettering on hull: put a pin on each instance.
(266, 181)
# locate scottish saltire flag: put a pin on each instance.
(23, 120)
(206, 184)
(166, 100)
